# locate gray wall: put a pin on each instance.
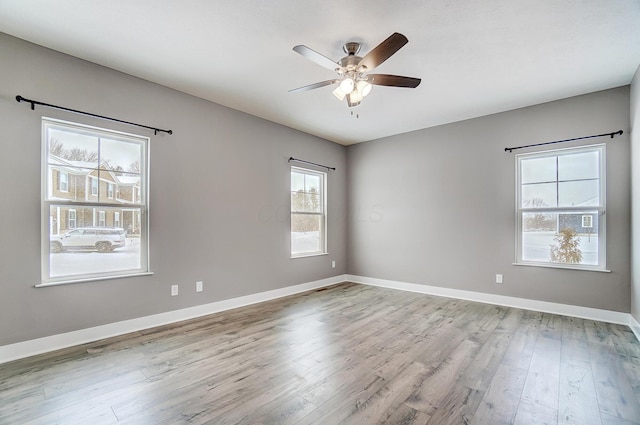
(635, 195)
(433, 207)
(436, 206)
(218, 196)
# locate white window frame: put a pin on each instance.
(600, 209)
(47, 202)
(110, 190)
(102, 218)
(323, 214)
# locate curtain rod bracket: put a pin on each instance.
(75, 111)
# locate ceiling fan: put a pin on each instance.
(354, 81)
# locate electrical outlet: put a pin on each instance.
(498, 278)
(199, 286)
(174, 290)
(333, 264)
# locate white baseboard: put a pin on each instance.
(55, 342)
(523, 303)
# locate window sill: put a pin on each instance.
(90, 279)
(314, 254)
(558, 266)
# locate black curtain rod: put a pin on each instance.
(619, 132)
(312, 163)
(35, 102)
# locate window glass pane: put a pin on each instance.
(579, 193)
(297, 181)
(560, 237)
(96, 244)
(118, 155)
(306, 233)
(579, 166)
(72, 147)
(537, 170)
(539, 195)
(313, 202)
(128, 188)
(312, 183)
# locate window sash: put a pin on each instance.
(311, 205)
(598, 208)
(106, 210)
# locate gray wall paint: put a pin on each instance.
(218, 195)
(635, 195)
(436, 206)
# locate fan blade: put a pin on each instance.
(393, 80)
(314, 86)
(316, 57)
(383, 51)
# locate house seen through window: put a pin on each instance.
(94, 207)
(561, 207)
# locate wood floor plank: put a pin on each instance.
(535, 414)
(431, 392)
(457, 407)
(500, 403)
(347, 353)
(578, 403)
(615, 394)
(543, 378)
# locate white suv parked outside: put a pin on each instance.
(101, 239)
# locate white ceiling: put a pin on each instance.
(474, 57)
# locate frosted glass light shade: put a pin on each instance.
(339, 93)
(364, 88)
(347, 85)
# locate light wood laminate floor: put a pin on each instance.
(347, 354)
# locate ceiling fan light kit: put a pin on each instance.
(354, 82)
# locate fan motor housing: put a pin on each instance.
(350, 62)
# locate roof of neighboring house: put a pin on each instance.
(88, 167)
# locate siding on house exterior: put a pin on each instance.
(576, 221)
(69, 183)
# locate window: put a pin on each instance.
(308, 212)
(71, 214)
(64, 182)
(94, 186)
(561, 207)
(79, 219)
